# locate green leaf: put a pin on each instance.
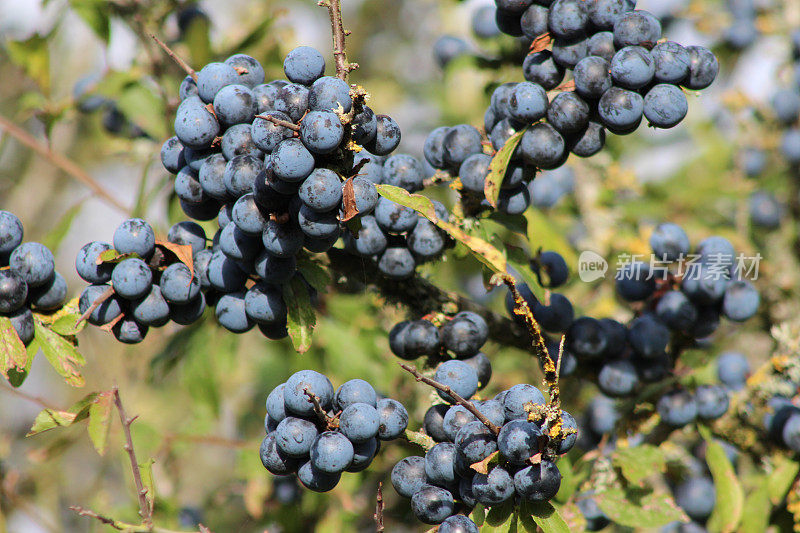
(757, 508)
(730, 496)
(498, 167)
(543, 515)
(315, 274)
(13, 355)
(100, 420)
(482, 250)
(52, 418)
(639, 462)
(33, 56)
(146, 470)
(781, 478)
(301, 317)
(478, 514)
(421, 204)
(95, 14)
(141, 106)
(65, 320)
(62, 354)
(635, 507)
(500, 514)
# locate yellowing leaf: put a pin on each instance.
(52, 418)
(13, 355)
(498, 167)
(421, 204)
(62, 354)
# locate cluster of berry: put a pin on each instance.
(514, 424)
(275, 163)
(621, 73)
(682, 306)
(138, 283)
(28, 278)
(395, 236)
(317, 433)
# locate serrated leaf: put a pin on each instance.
(421, 204)
(143, 107)
(13, 355)
(420, 439)
(635, 507)
(301, 317)
(639, 462)
(49, 419)
(96, 15)
(315, 274)
(730, 496)
(781, 478)
(543, 515)
(61, 354)
(498, 167)
(100, 420)
(499, 514)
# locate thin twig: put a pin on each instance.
(109, 292)
(343, 67)
(459, 400)
(116, 524)
(379, 509)
(145, 510)
(58, 160)
(330, 422)
(181, 63)
(285, 123)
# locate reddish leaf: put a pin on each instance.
(182, 251)
(349, 200)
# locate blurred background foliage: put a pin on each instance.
(199, 392)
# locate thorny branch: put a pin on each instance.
(145, 507)
(343, 67)
(459, 400)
